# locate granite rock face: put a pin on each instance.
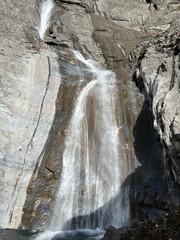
(158, 76)
(136, 39)
(156, 143)
(29, 82)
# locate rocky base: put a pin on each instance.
(7, 234)
(163, 227)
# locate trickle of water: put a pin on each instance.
(89, 195)
(45, 8)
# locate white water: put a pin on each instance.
(45, 9)
(85, 234)
(93, 170)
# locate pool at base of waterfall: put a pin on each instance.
(85, 234)
(12, 234)
(81, 234)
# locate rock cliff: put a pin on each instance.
(29, 82)
(39, 81)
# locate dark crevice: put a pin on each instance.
(100, 30)
(172, 83)
(57, 44)
(150, 2)
(155, 6)
(119, 20)
(70, 3)
(51, 171)
(138, 80)
(51, 43)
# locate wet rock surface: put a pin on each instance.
(7, 234)
(111, 48)
(163, 227)
(139, 41)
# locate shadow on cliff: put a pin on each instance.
(151, 189)
(149, 153)
(147, 185)
(113, 213)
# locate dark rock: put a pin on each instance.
(163, 227)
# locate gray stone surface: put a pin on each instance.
(159, 71)
(36, 102)
(29, 82)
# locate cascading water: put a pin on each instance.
(93, 171)
(89, 195)
(45, 8)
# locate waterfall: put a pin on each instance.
(89, 195)
(45, 8)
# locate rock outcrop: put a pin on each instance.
(29, 82)
(158, 76)
(156, 143)
(136, 39)
(162, 227)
